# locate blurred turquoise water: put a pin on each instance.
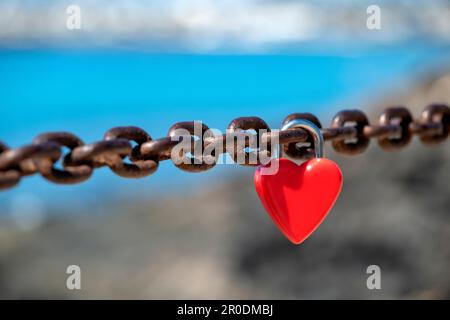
(87, 92)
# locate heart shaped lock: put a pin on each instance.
(299, 197)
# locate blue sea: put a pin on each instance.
(89, 91)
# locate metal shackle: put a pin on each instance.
(312, 129)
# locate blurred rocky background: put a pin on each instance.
(216, 241)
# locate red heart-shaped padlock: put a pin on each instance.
(298, 197)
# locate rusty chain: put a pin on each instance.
(350, 133)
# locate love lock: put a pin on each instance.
(299, 197)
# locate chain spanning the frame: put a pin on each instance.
(350, 134)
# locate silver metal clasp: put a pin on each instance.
(312, 129)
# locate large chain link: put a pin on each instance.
(350, 133)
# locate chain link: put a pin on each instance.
(350, 133)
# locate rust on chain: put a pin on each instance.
(139, 166)
(23, 158)
(358, 120)
(186, 161)
(131, 152)
(380, 132)
(339, 133)
(99, 154)
(399, 119)
(435, 114)
(8, 178)
(46, 165)
(159, 149)
(238, 130)
(292, 135)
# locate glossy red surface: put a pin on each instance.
(298, 197)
